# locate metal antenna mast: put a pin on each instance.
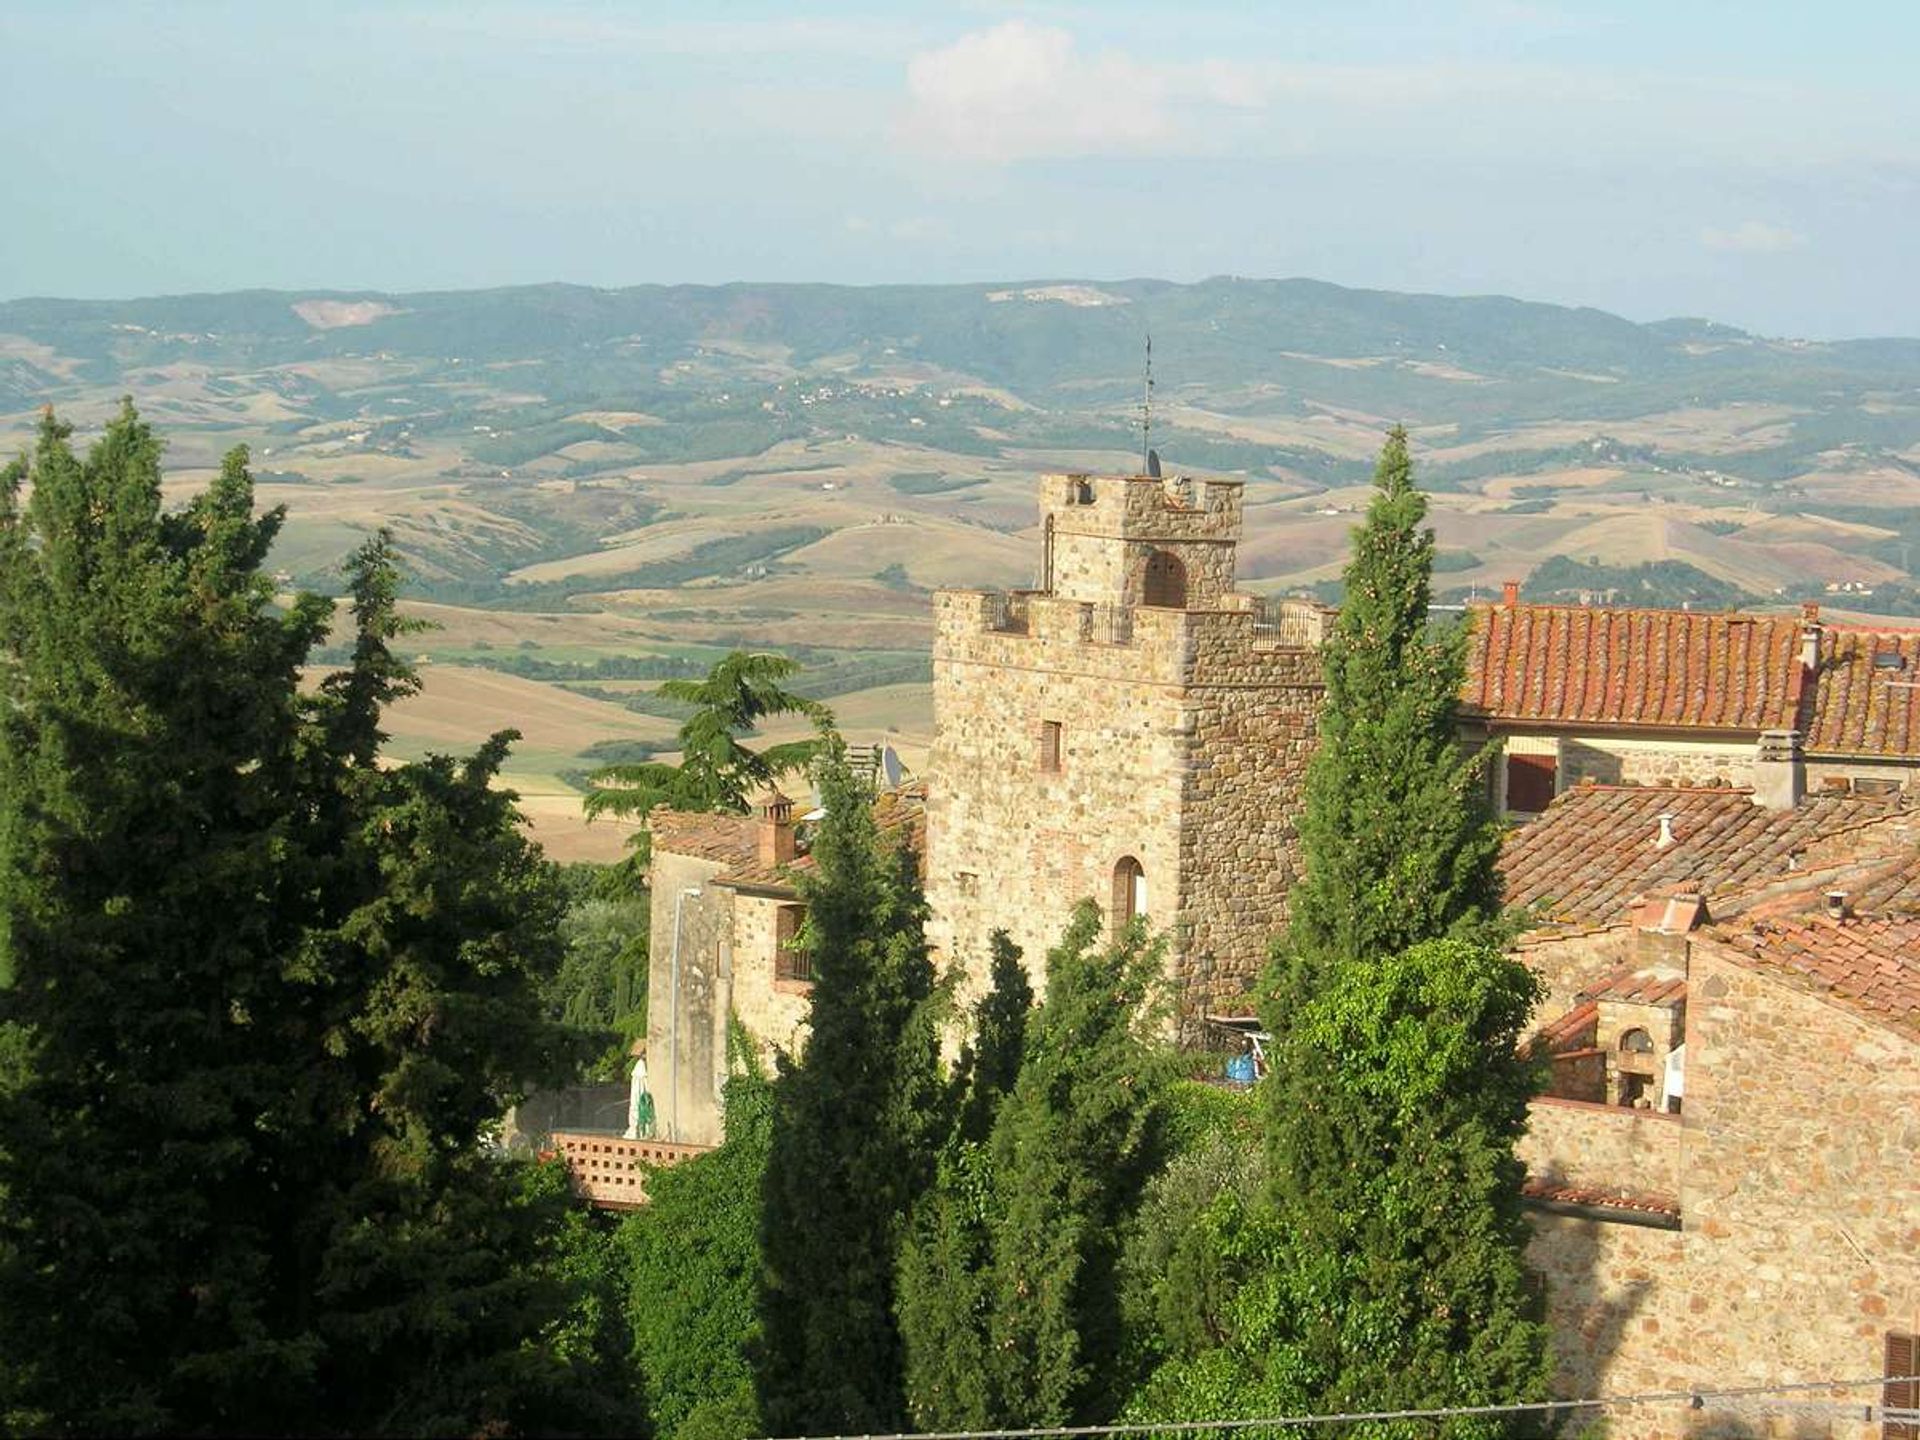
(1146, 415)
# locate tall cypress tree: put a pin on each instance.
(857, 1122)
(1396, 1093)
(945, 1293)
(149, 736)
(265, 995)
(1398, 841)
(1009, 1294)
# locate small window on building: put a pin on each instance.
(1530, 783)
(1637, 1042)
(1901, 1391)
(1129, 891)
(1079, 491)
(790, 961)
(1050, 746)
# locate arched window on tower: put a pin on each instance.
(1129, 891)
(1166, 581)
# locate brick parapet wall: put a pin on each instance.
(611, 1172)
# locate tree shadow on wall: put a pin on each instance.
(1588, 1332)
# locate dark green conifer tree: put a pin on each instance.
(1072, 1147)
(1396, 1092)
(944, 1297)
(265, 996)
(1009, 1293)
(1398, 841)
(857, 1124)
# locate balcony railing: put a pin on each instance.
(1009, 613)
(1288, 624)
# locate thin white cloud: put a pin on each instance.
(1022, 91)
(1753, 237)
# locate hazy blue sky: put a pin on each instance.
(1755, 162)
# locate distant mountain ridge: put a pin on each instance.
(1215, 335)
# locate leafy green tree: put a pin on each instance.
(1398, 841)
(857, 1124)
(716, 771)
(266, 996)
(601, 985)
(1396, 1098)
(693, 1263)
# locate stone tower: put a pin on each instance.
(1132, 730)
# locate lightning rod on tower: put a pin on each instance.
(1146, 415)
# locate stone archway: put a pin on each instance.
(1165, 585)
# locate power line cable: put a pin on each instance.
(1696, 1398)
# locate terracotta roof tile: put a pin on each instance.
(1691, 669)
(1556, 1192)
(1864, 703)
(1574, 1030)
(1640, 987)
(892, 810)
(1594, 850)
(1871, 964)
(1681, 669)
(726, 838)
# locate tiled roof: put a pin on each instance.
(1640, 987)
(1594, 850)
(1573, 1031)
(1655, 668)
(1551, 1191)
(1697, 670)
(1863, 703)
(892, 809)
(1870, 964)
(726, 838)
(1883, 888)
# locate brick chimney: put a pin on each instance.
(1779, 770)
(1510, 593)
(775, 839)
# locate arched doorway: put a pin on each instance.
(1129, 891)
(1166, 581)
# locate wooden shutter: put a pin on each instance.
(1903, 1359)
(1530, 782)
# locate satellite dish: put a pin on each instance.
(1153, 464)
(891, 768)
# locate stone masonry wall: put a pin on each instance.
(1251, 716)
(1800, 1202)
(773, 1011)
(1654, 760)
(1183, 747)
(1012, 846)
(1607, 1146)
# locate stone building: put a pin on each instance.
(1636, 696)
(725, 915)
(1131, 729)
(1734, 1199)
(1721, 1169)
